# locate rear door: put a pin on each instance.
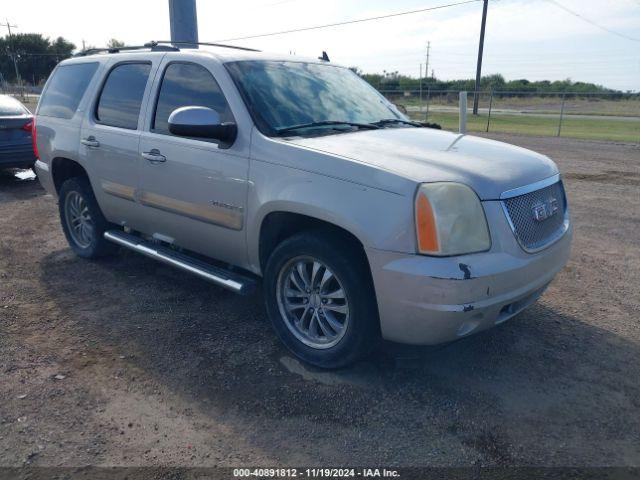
(193, 191)
(111, 134)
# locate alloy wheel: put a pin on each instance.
(312, 302)
(79, 221)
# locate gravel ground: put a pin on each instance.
(127, 362)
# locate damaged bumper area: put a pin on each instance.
(429, 300)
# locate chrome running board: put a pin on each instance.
(219, 276)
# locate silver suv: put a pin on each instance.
(362, 224)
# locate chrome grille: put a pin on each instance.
(536, 233)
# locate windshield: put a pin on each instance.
(281, 95)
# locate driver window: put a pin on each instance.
(187, 84)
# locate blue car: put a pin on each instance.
(16, 134)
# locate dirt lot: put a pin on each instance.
(128, 362)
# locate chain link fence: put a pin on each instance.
(598, 116)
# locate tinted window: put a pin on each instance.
(65, 89)
(10, 107)
(187, 84)
(121, 97)
(282, 94)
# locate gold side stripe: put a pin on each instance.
(119, 190)
(215, 215)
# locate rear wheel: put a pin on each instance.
(320, 299)
(82, 221)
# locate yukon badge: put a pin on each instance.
(228, 206)
(544, 210)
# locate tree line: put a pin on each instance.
(394, 81)
(35, 55)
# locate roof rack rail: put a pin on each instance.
(208, 44)
(158, 46)
(153, 46)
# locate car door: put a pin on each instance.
(110, 136)
(193, 191)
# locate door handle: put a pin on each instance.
(154, 156)
(90, 142)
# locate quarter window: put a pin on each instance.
(65, 90)
(121, 97)
(187, 84)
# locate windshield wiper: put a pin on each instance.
(388, 121)
(369, 126)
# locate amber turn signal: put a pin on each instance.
(426, 225)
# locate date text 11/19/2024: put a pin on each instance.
(315, 472)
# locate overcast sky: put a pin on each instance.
(532, 39)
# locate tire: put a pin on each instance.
(336, 339)
(74, 195)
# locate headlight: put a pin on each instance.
(450, 220)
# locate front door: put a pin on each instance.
(193, 192)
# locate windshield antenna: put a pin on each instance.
(324, 57)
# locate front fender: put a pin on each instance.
(377, 218)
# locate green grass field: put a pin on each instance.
(621, 130)
(542, 104)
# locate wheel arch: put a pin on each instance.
(281, 223)
(63, 168)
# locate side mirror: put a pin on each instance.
(201, 122)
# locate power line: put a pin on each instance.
(360, 20)
(585, 19)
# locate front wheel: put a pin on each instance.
(320, 299)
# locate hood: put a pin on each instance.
(428, 155)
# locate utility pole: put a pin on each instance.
(420, 80)
(426, 76)
(183, 18)
(480, 48)
(13, 51)
(426, 68)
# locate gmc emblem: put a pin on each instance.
(544, 210)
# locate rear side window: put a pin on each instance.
(65, 90)
(10, 107)
(121, 97)
(187, 84)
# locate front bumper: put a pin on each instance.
(429, 300)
